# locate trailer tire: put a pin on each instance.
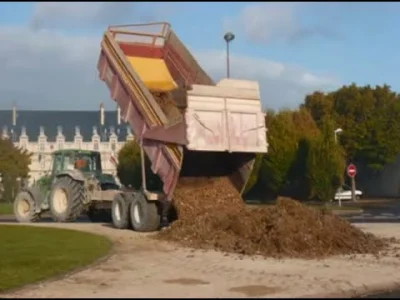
(66, 199)
(144, 214)
(120, 211)
(25, 208)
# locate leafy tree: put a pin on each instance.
(129, 169)
(282, 169)
(281, 151)
(14, 164)
(369, 117)
(319, 105)
(325, 163)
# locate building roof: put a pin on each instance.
(32, 120)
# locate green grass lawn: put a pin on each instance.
(6, 209)
(29, 254)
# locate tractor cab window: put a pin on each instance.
(86, 163)
(82, 163)
(58, 164)
(68, 163)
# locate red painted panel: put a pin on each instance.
(139, 50)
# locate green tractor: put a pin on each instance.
(75, 185)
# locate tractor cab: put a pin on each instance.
(88, 162)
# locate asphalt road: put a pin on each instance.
(375, 212)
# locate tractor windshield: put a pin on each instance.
(86, 163)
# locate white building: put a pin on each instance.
(42, 132)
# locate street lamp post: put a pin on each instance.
(228, 37)
(336, 132)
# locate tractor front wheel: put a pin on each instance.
(25, 208)
(66, 199)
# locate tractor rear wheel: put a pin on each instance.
(25, 208)
(66, 199)
(120, 211)
(144, 214)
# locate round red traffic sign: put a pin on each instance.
(351, 170)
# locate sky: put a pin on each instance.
(49, 50)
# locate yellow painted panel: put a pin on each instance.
(154, 73)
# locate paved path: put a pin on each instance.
(144, 267)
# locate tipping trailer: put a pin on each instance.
(185, 123)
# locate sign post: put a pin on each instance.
(340, 196)
(352, 172)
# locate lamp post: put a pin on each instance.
(336, 132)
(228, 37)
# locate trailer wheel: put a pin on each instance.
(120, 211)
(66, 199)
(25, 208)
(144, 214)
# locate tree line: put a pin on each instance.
(306, 162)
